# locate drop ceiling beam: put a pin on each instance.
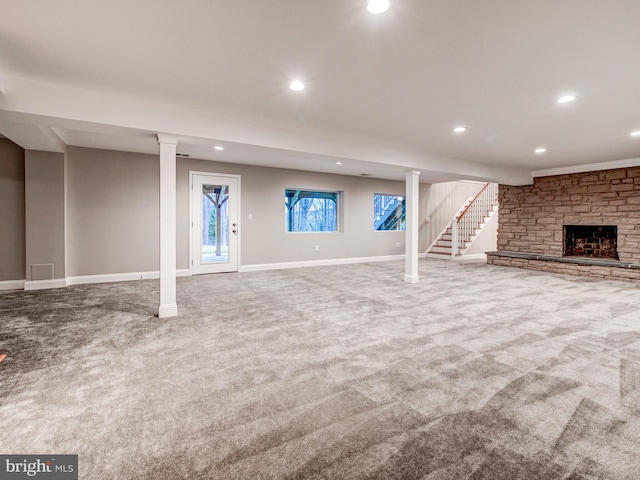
(62, 103)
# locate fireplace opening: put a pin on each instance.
(596, 241)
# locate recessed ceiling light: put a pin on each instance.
(338, 163)
(378, 6)
(540, 150)
(296, 85)
(460, 129)
(636, 133)
(219, 147)
(566, 99)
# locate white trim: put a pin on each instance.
(168, 139)
(12, 285)
(192, 174)
(168, 219)
(476, 235)
(65, 204)
(169, 310)
(319, 263)
(450, 224)
(471, 258)
(412, 226)
(460, 258)
(121, 277)
(411, 278)
(590, 167)
(433, 244)
(45, 284)
(85, 280)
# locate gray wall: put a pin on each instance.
(113, 212)
(12, 213)
(113, 209)
(264, 239)
(44, 215)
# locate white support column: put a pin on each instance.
(454, 237)
(168, 304)
(412, 226)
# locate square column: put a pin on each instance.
(412, 227)
(168, 305)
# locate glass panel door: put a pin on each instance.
(214, 229)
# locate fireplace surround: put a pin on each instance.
(532, 221)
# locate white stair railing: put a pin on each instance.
(465, 225)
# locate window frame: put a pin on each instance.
(338, 209)
(403, 224)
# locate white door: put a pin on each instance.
(214, 226)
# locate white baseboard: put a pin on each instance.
(320, 263)
(84, 279)
(12, 285)
(477, 257)
(45, 284)
(121, 277)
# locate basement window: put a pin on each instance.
(389, 212)
(311, 210)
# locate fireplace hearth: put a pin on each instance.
(593, 241)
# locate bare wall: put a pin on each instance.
(44, 215)
(12, 212)
(264, 239)
(113, 212)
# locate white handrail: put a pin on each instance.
(465, 225)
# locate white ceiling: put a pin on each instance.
(397, 82)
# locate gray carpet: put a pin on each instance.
(477, 372)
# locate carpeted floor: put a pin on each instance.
(477, 372)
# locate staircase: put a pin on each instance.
(457, 237)
(389, 213)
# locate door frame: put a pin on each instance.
(193, 173)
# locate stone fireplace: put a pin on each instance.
(594, 241)
(579, 223)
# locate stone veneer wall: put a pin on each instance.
(531, 218)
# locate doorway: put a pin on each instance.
(215, 203)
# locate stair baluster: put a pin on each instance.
(465, 225)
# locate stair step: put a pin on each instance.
(443, 255)
(444, 251)
(443, 245)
